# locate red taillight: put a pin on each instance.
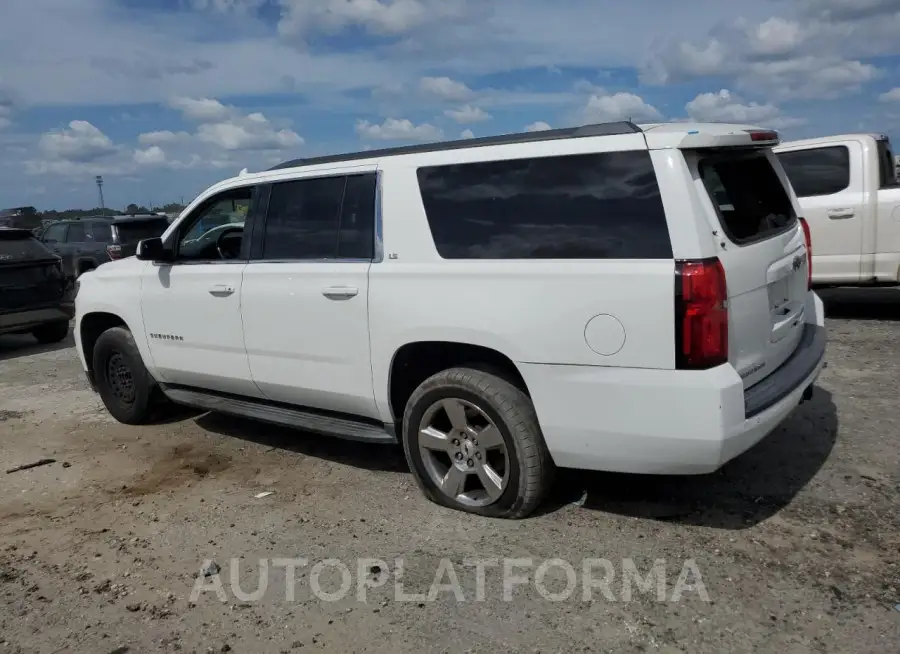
(763, 135)
(114, 251)
(701, 314)
(808, 238)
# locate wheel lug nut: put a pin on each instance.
(474, 442)
(478, 455)
(456, 442)
(470, 463)
(459, 456)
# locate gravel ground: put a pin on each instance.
(796, 542)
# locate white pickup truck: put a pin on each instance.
(848, 193)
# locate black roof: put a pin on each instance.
(600, 129)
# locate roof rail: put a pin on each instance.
(600, 129)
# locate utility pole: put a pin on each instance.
(99, 180)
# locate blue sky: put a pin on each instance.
(164, 97)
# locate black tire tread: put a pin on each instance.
(517, 411)
(51, 332)
(122, 339)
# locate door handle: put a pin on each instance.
(340, 292)
(221, 290)
(840, 214)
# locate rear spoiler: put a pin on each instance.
(696, 140)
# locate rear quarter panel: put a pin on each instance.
(534, 311)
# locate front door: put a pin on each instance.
(192, 306)
(305, 294)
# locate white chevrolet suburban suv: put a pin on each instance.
(847, 190)
(608, 297)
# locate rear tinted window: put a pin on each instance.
(132, 232)
(819, 171)
(749, 197)
(887, 169)
(18, 247)
(593, 206)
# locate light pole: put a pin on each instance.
(100, 190)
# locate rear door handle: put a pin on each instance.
(221, 290)
(340, 292)
(840, 214)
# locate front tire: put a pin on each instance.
(125, 386)
(52, 332)
(473, 443)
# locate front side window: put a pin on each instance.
(321, 218)
(817, 171)
(55, 233)
(593, 206)
(215, 230)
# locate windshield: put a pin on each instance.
(750, 199)
(21, 246)
(133, 231)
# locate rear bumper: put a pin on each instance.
(667, 421)
(27, 319)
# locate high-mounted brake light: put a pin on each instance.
(763, 135)
(808, 238)
(701, 314)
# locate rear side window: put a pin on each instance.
(321, 218)
(818, 171)
(19, 246)
(101, 232)
(130, 232)
(749, 197)
(887, 169)
(593, 206)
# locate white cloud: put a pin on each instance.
(468, 114)
(726, 107)
(444, 88)
(891, 96)
(227, 128)
(398, 130)
(162, 137)
(467, 134)
(152, 156)
(203, 110)
(620, 106)
(80, 142)
(539, 126)
(816, 54)
(253, 132)
(381, 17)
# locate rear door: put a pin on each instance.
(830, 188)
(305, 303)
(763, 251)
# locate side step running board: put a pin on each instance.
(280, 415)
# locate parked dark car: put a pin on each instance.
(85, 244)
(35, 296)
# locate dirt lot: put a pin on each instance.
(797, 541)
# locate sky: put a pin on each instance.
(165, 97)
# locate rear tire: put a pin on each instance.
(507, 474)
(125, 386)
(52, 332)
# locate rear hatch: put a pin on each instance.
(130, 231)
(763, 251)
(30, 275)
